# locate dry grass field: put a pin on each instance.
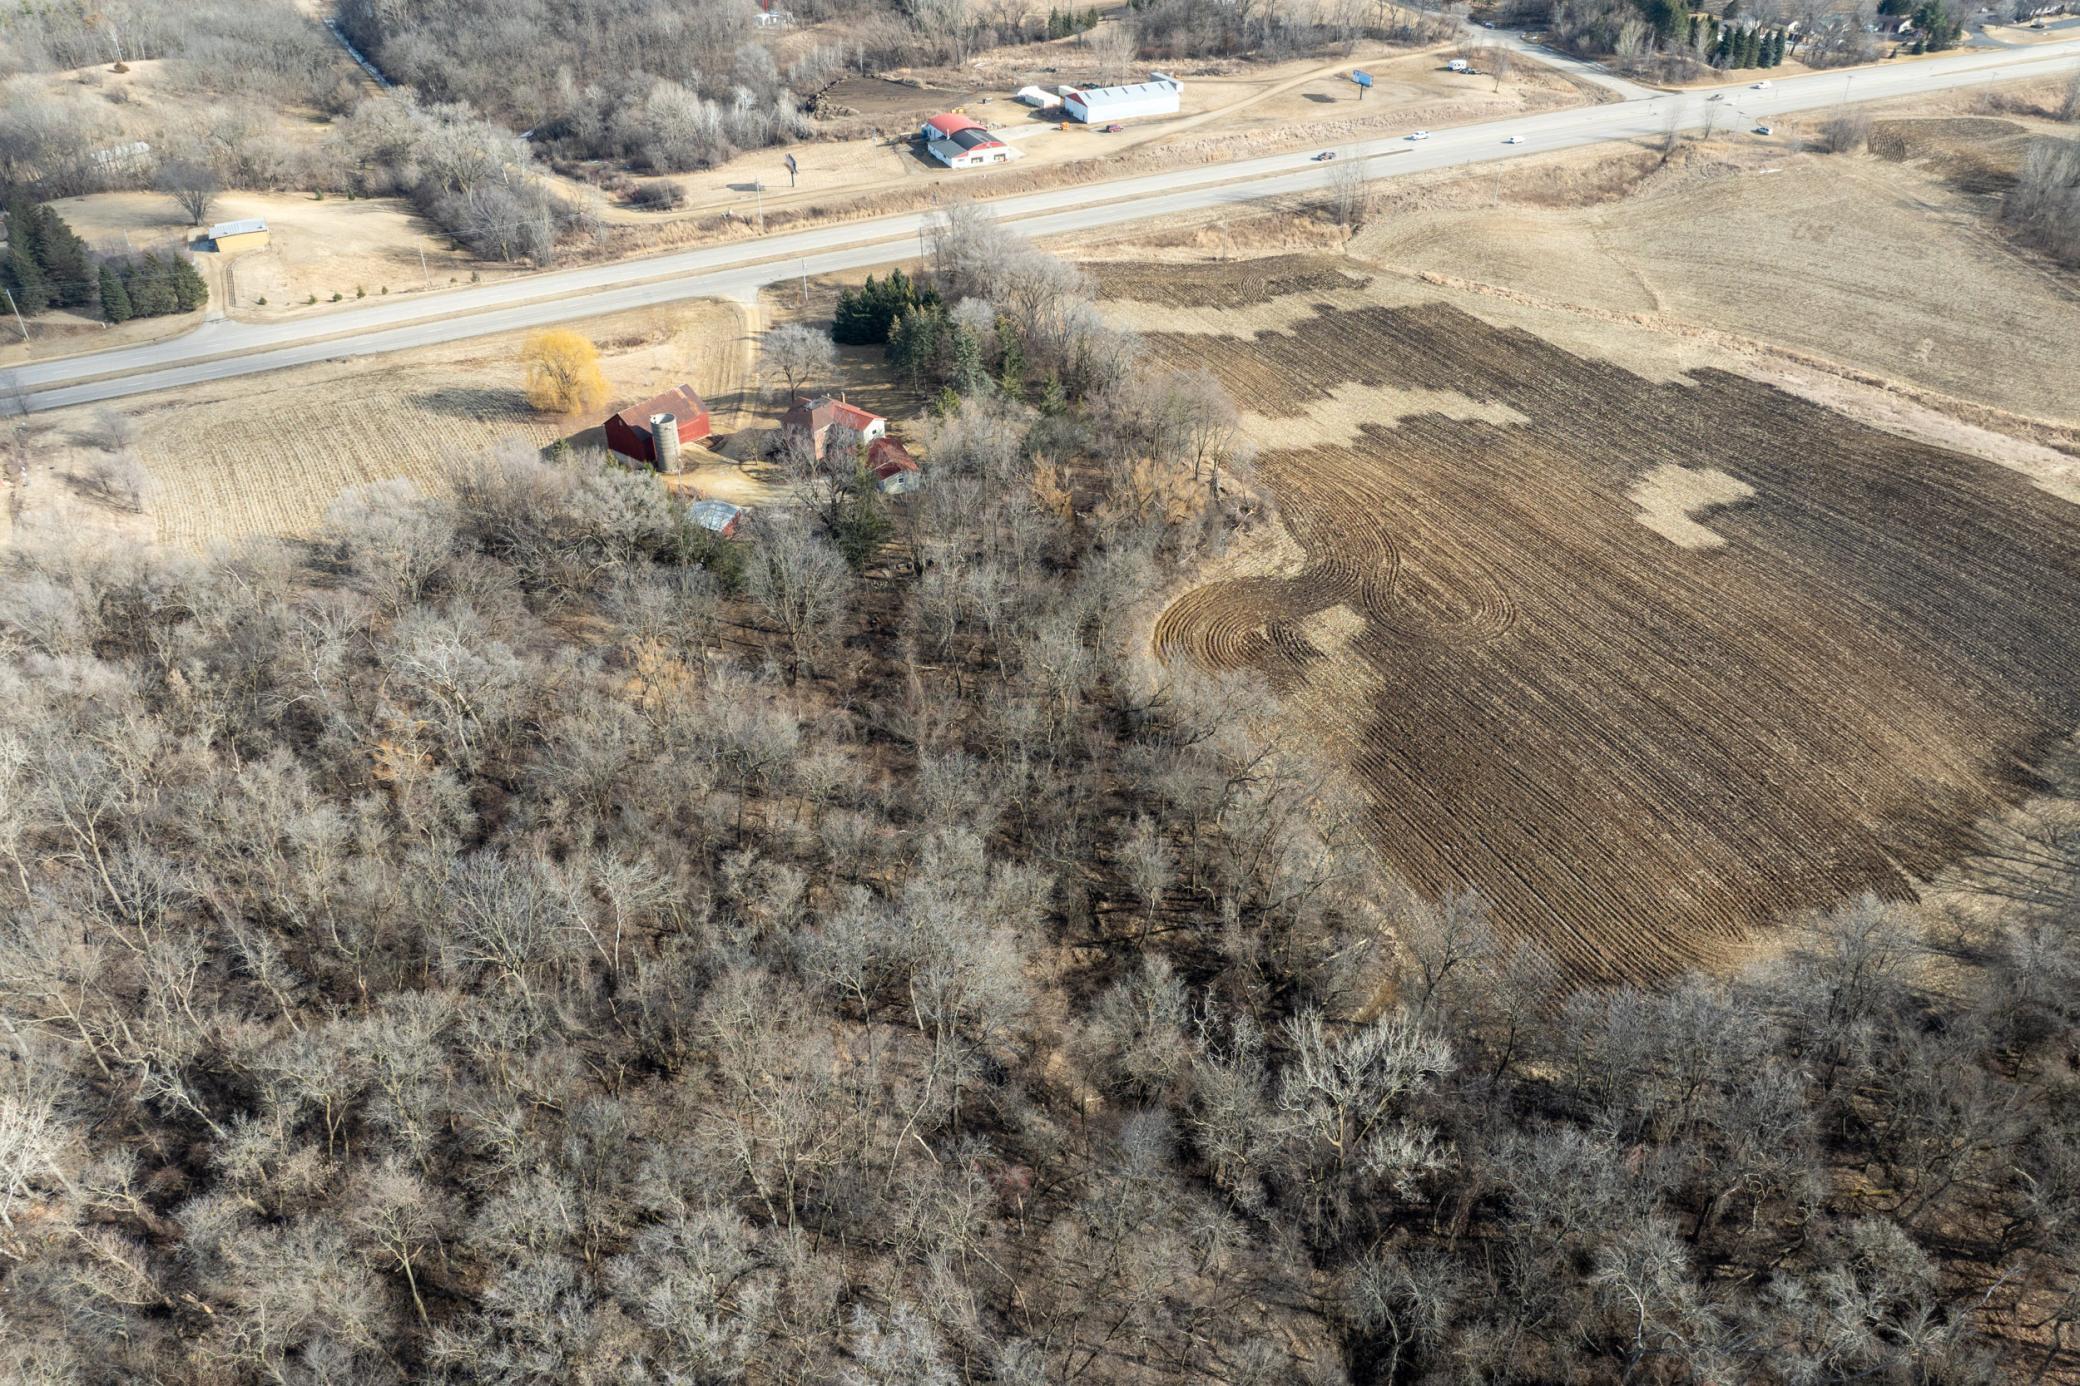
(267, 455)
(1649, 658)
(1892, 266)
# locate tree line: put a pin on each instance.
(491, 941)
(49, 266)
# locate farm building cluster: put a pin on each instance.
(657, 433)
(957, 140)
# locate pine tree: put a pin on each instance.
(968, 373)
(25, 280)
(190, 290)
(63, 256)
(115, 299)
(1011, 366)
(25, 226)
(151, 287)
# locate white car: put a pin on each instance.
(1420, 135)
(1514, 139)
(1758, 86)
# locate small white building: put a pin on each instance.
(1038, 97)
(1159, 95)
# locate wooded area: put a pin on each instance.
(491, 945)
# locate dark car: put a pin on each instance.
(1325, 156)
(1114, 128)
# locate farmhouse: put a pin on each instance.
(1159, 95)
(250, 234)
(677, 417)
(894, 470)
(958, 142)
(816, 417)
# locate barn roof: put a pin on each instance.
(950, 125)
(681, 402)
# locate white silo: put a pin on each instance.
(664, 442)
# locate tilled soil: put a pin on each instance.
(1640, 753)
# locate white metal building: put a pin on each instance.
(1159, 95)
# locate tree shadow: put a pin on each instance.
(478, 403)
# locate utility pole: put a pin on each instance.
(759, 187)
(16, 311)
(424, 274)
(805, 281)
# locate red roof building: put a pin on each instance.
(628, 432)
(958, 142)
(893, 468)
(816, 417)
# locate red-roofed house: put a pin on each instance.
(816, 417)
(629, 432)
(958, 142)
(893, 468)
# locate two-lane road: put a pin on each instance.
(224, 348)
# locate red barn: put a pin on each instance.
(628, 432)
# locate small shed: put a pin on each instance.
(1039, 97)
(718, 517)
(894, 470)
(816, 417)
(630, 433)
(229, 236)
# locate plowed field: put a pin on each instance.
(1662, 664)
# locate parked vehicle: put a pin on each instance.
(1765, 130)
(1514, 139)
(1758, 86)
(1114, 128)
(1325, 156)
(1420, 135)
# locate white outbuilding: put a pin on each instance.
(1159, 95)
(1039, 97)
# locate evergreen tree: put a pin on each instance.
(861, 523)
(190, 291)
(1722, 53)
(965, 368)
(115, 299)
(25, 226)
(150, 283)
(63, 256)
(916, 343)
(1011, 364)
(867, 314)
(25, 280)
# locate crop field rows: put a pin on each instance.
(275, 464)
(1639, 752)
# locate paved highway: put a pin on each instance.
(221, 349)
